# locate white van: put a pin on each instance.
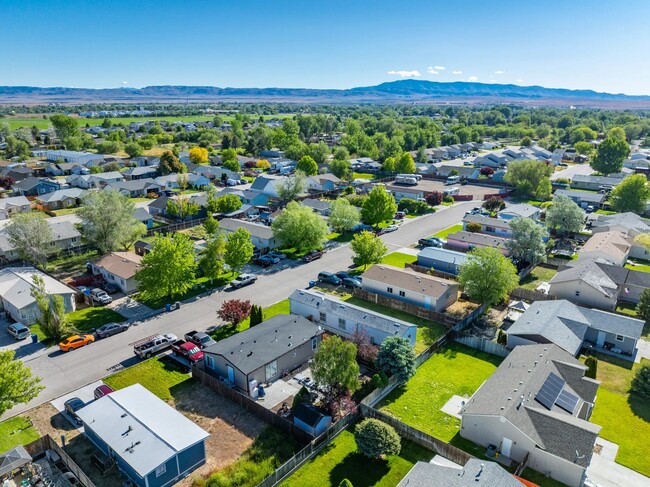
(453, 179)
(451, 191)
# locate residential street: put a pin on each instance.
(63, 373)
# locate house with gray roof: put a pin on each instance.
(267, 184)
(573, 328)
(319, 206)
(344, 319)
(475, 473)
(64, 237)
(14, 205)
(595, 183)
(614, 247)
(489, 225)
(629, 224)
(536, 406)
(140, 172)
(247, 196)
(583, 198)
(261, 235)
(263, 353)
(323, 182)
(467, 241)
(442, 260)
(138, 188)
(72, 156)
(63, 198)
(142, 215)
(99, 180)
(520, 210)
(35, 186)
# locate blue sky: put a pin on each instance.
(596, 44)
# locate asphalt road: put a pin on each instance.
(62, 373)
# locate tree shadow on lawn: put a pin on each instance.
(640, 406)
(359, 469)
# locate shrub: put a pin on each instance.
(303, 397)
(396, 357)
(413, 207)
(473, 227)
(376, 382)
(357, 200)
(502, 338)
(345, 483)
(641, 381)
(494, 204)
(434, 198)
(376, 439)
(592, 363)
(448, 199)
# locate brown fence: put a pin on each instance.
(463, 197)
(174, 227)
(482, 344)
(47, 443)
(431, 272)
(247, 403)
(443, 449)
(530, 295)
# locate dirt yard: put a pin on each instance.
(231, 427)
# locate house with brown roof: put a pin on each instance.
(467, 241)
(613, 247)
(118, 268)
(412, 287)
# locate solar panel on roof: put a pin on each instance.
(567, 401)
(550, 391)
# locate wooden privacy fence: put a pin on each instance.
(482, 344)
(174, 227)
(418, 437)
(47, 443)
(431, 271)
(249, 404)
(530, 295)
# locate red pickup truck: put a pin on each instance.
(188, 350)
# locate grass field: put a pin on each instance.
(362, 175)
(65, 211)
(536, 277)
(340, 460)
(399, 259)
(157, 375)
(447, 231)
(644, 267)
(91, 318)
(455, 370)
(16, 431)
(625, 417)
(540, 479)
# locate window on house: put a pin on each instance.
(489, 229)
(271, 370)
(342, 323)
(620, 338)
(389, 289)
(577, 293)
(209, 361)
(402, 293)
(322, 316)
(122, 281)
(161, 470)
(314, 343)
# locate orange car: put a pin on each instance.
(75, 341)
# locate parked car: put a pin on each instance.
(75, 341)
(110, 288)
(71, 406)
(432, 242)
(590, 209)
(343, 274)
(329, 278)
(277, 255)
(400, 215)
(100, 296)
(243, 280)
(18, 331)
(146, 347)
(266, 261)
(102, 391)
(199, 338)
(189, 350)
(351, 282)
(362, 227)
(388, 229)
(111, 329)
(313, 255)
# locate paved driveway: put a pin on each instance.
(607, 473)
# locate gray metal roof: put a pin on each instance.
(443, 255)
(487, 221)
(254, 348)
(141, 428)
(523, 210)
(476, 472)
(591, 274)
(629, 221)
(61, 195)
(511, 390)
(478, 239)
(16, 284)
(255, 229)
(586, 196)
(134, 185)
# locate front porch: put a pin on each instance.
(607, 349)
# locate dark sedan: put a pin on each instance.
(111, 329)
(71, 407)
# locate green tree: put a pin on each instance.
(308, 165)
(473, 227)
(494, 204)
(182, 207)
(641, 381)
(389, 165)
(64, 126)
(169, 163)
(292, 186)
(544, 190)
(169, 270)
(368, 249)
(17, 383)
(239, 249)
(106, 216)
(96, 170)
(396, 357)
(131, 234)
(299, 227)
(227, 203)
(109, 147)
(584, 148)
(564, 216)
(31, 237)
(133, 149)
(72, 143)
(52, 316)
(212, 257)
(632, 194)
(341, 169)
(379, 207)
(376, 439)
(343, 216)
(643, 307)
(592, 363)
(256, 316)
(617, 133)
(229, 160)
(610, 155)
(488, 276)
(526, 176)
(526, 243)
(526, 142)
(405, 164)
(211, 225)
(335, 367)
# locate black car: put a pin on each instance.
(111, 329)
(71, 407)
(313, 255)
(110, 288)
(431, 242)
(351, 282)
(343, 275)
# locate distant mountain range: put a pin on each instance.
(404, 91)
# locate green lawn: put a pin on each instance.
(625, 418)
(65, 211)
(281, 307)
(340, 460)
(455, 370)
(362, 175)
(269, 450)
(157, 375)
(70, 265)
(340, 237)
(201, 285)
(600, 211)
(88, 319)
(399, 259)
(641, 266)
(447, 231)
(16, 431)
(536, 277)
(540, 479)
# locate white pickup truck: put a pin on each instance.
(146, 347)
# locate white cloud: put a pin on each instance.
(519, 80)
(439, 68)
(405, 74)
(472, 79)
(430, 70)
(456, 72)
(499, 72)
(125, 82)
